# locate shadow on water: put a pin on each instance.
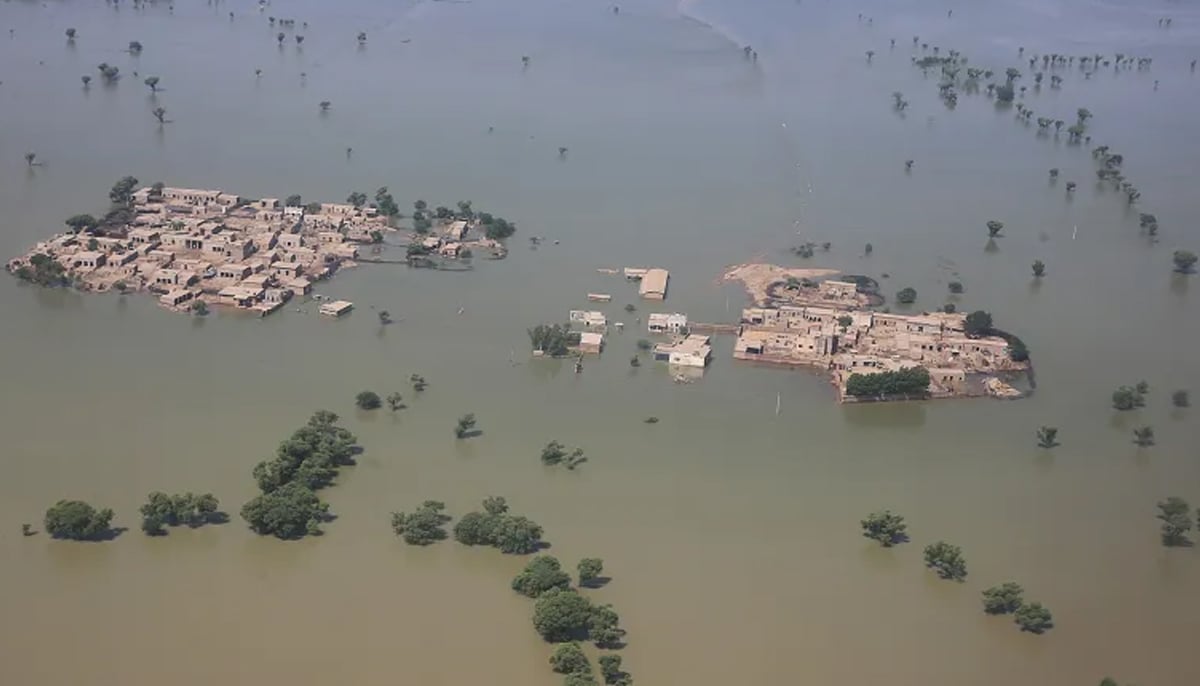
(889, 415)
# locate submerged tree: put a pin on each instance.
(160, 114)
(395, 401)
(946, 560)
(1003, 599)
(76, 520)
(1047, 437)
(152, 82)
(1185, 261)
(590, 569)
(1176, 516)
(1039, 268)
(324, 105)
(906, 296)
(1143, 436)
(465, 426)
(994, 228)
(1033, 617)
(1180, 398)
(885, 527)
(422, 526)
(541, 574)
(367, 400)
(569, 658)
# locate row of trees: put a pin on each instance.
(554, 340)
(907, 381)
(288, 506)
(888, 529)
(188, 509)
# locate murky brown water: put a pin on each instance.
(731, 533)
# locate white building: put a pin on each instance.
(667, 323)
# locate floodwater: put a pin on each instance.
(731, 533)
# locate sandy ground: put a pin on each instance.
(758, 276)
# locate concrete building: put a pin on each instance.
(336, 308)
(675, 323)
(692, 351)
(590, 319)
(591, 342)
(654, 284)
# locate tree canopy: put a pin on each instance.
(885, 527)
(590, 569)
(907, 381)
(561, 615)
(1185, 261)
(122, 191)
(424, 525)
(1003, 599)
(977, 323)
(368, 400)
(163, 510)
(553, 339)
(1033, 617)
(1176, 516)
(288, 512)
(76, 520)
(81, 222)
(568, 658)
(541, 574)
(906, 296)
(494, 526)
(43, 271)
(946, 560)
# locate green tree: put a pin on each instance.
(1185, 261)
(516, 535)
(1039, 268)
(312, 208)
(610, 669)
(845, 321)
(603, 627)
(1033, 617)
(946, 560)
(293, 200)
(1127, 398)
(977, 323)
(422, 526)
(199, 308)
(385, 203)
(357, 199)
(579, 680)
(590, 569)
(553, 339)
(312, 455)
(465, 425)
(1003, 599)
(994, 227)
(1180, 398)
(568, 658)
(885, 527)
(82, 222)
(122, 191)
(1143, 436)
(499, 229)
(1176, 516)
(475, 528)
(561, 615)
(152, 83)
(906, 296)
(541, 574)
(135, 47)
(288, 512)
(395, 401)
(907, 381)
(368, 400)
(1047, 437)
(955, 287)
(76, 520)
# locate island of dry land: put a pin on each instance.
(196, 248)
(803, 318)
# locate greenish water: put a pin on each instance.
(731, 533)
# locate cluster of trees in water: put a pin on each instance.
(494, 227)
(554, 340)
(562, 614)
(889, 529)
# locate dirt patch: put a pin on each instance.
(757, 277)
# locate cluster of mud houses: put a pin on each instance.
(188, 245)
(848, 341)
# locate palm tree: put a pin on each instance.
(30, 158)
(70, 35)
(152, 82)
(324, 104)
(87, 80)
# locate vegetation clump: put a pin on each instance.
(43, 271)
(306, 461)
(946, 560)
(511, 534)
(1176, 516)
(1180, 398)
(590, 570)
(885, 527)
(1003, 599)
(906, 296)
(368, 400)
(555, 454)
(554, 340)
(422, 526)
(1047, 437)
(568, 658)
(1128, 398)
(465, 428)
(76, 520)
(541, 574)
(1034, 618)
(907, 381)
(162, 510)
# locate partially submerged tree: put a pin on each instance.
(542, 573)
(977, 323)
(1003, 599)
(367, 400)
(906, 296)
(1039, 269)
(422, 526)
(1047, 437)
(465, 426)
(76, 520)
(1143, 436)
(1185, 261)
(569, 658)
(1180, 398)
(994, 227)
(1033, 617)
(152, 83)
(1176, 516)
(885, 527)
(590, 569)
(946, 560)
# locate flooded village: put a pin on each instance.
(194, 249)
